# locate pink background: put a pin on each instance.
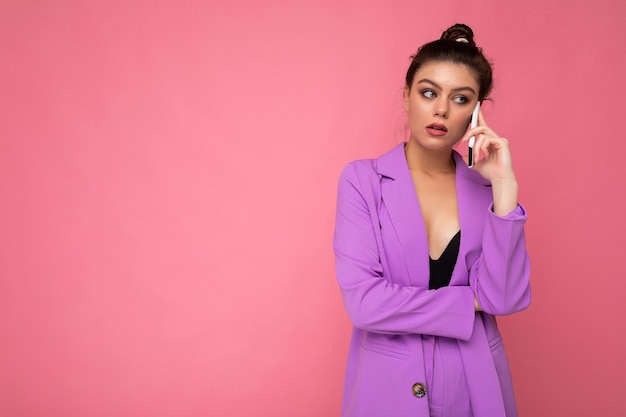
(168, 173)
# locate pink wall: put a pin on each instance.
(168, 173)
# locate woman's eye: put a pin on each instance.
(429, 94)
(461, 99)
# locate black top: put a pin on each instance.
(441, 269)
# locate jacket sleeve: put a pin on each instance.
(373, 302)
(500, 277)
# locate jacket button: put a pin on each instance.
(419, 389)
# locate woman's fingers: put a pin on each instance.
(491, 155)
(486, 141)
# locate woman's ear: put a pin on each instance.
(407, 94)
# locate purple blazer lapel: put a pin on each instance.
(400, 199)
(470, 189)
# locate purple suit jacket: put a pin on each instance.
(382, 264)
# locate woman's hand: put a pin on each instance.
(477, 306)
(495, 165)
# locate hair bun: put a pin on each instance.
(458, 32)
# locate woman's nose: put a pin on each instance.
(441, 109)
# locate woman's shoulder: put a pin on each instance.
(386, 164)
(359, 171)
(364, 176)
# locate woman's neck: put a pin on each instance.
(429, 161)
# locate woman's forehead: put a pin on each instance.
(446, 74)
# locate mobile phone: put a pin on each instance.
(473, 124)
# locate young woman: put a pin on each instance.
(429, 251)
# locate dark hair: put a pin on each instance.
(456, 45)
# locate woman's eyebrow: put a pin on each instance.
(437, 86)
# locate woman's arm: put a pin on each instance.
(496, 165)
(501, 276)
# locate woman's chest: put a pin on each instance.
(438, 204)
(405, 242)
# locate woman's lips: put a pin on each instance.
(436, 129)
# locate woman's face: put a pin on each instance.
(439, 104)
